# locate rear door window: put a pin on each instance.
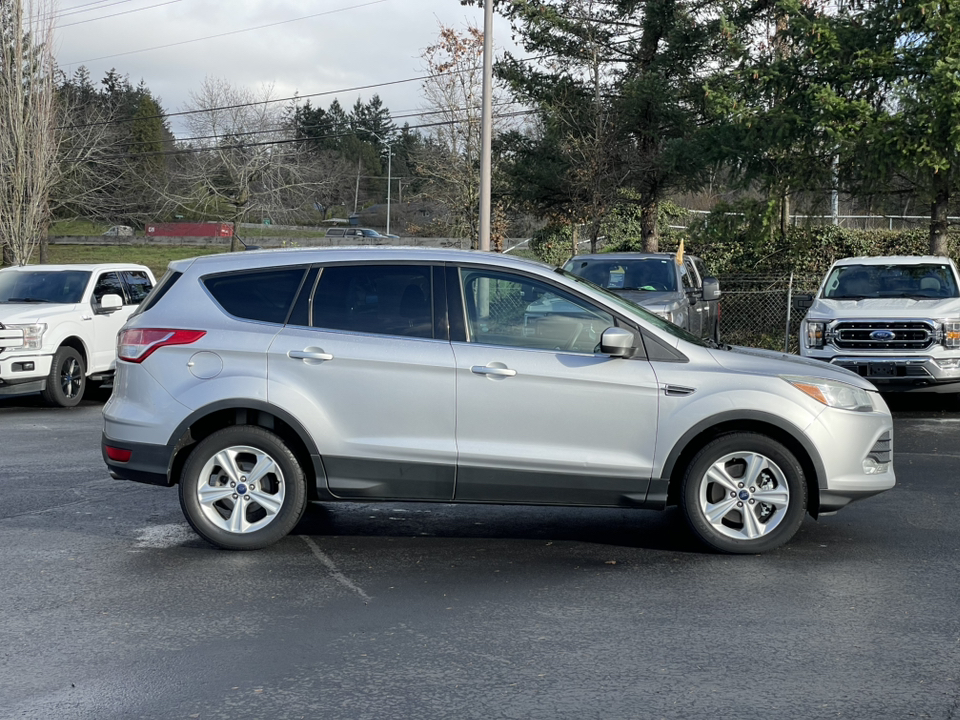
(380, 299)
(138, 285)
(263, 295)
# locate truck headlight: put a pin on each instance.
(951, 333)
(832, 393)
(32, 335)
(815, 333)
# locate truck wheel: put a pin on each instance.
(744, 493)
(67, 379)
(242, 488)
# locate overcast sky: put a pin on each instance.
(305, 46)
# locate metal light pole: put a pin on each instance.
(389, 177)
(389, 147)
(486, 124)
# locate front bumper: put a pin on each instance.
(848, 442)
(23, 373)
(897, 373)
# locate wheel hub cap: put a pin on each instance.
(744, 495)
(241, 489)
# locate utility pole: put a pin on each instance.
(356, 193)
(389, 147)
(486, 125)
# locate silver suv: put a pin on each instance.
(260, 381)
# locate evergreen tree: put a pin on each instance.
(620, 97)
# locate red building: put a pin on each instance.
(191, 229)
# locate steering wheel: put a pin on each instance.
(572, 344)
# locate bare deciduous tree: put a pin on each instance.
(29, 138)
(450, 162)
(244, 161)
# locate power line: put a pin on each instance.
(264, 102)
(278, 129)
(293, 98)
(89, 7)
(125, 12)
(285, 141)
(227, 34)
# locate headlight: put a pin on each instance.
(814, 338)
(951, 333)
(832, 393)
(661, 311)
(32, 335)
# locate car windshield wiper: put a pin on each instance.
(851, 297)
(711, 343)
(27, 300)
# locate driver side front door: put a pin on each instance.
(542, 416)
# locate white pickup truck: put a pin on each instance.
(59, 324)
(893, 320)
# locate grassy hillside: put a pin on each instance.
(155, 257)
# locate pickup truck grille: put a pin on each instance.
(884, 335)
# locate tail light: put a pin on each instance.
(137, 344)
(118, 454)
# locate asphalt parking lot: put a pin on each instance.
(112, 608)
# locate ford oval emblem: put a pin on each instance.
(883, 335)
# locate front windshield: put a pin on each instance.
(647, 274)
(859, 282)
(635, 309)
(43, 286)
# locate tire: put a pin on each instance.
(67, 379)
(717, 494)
(264, 511)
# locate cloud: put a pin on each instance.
(348, 44)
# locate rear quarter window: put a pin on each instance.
(262, 295)
(159, 290)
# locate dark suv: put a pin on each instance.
(680, 292)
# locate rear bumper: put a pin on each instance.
(148, 464)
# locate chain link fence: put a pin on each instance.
(756, 310)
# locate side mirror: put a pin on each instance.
(711, 289)
(802, 302)
(110, 303)
(617, 342)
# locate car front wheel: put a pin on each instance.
(242, 488)
(67, 379)
(744, 493)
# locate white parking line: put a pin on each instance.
(338, 576)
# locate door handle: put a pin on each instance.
(309, 355)
(498, 371)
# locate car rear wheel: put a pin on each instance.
(67, 379)
(744, 493)
(242, 488)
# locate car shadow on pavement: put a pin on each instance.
(946, 403)
(603, 526)
(93, 395)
